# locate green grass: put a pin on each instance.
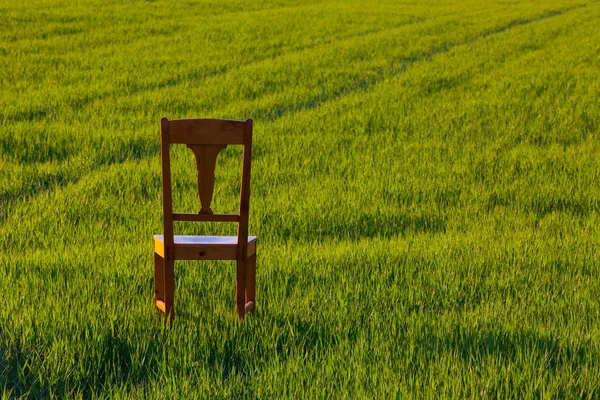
(425, 193)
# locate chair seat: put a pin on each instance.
(204, 247)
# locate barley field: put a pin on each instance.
(425, 192)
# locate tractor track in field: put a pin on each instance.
(364, 86)
(201, 76)
(84, 101)
(405, 64)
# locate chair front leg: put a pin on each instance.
(159, 279)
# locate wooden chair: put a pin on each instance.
(206, 138)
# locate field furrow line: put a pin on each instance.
(370, 85)
(200, 76)
(365, 85)
(197, 76)
(406, 64)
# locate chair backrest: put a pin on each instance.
(206, 138)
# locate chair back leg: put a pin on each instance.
(169, 289)
(251, 283)
(240, 288)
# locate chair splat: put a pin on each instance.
(206, 159)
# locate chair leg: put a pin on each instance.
(169, 289)
(159, 279)
(240, 289)
(251, 283)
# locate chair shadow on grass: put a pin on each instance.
(241, 355)
(476, 346)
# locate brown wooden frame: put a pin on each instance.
(206, 138)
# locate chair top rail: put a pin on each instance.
(206, 131)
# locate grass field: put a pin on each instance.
(425, 193)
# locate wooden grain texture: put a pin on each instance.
(207, 131)
(169, 289)
(251, 276)
(168, 250)
(206, 217)
(250, 304)
(205, 247)
(206, 160)
(159, 277)
(240, 288)
(245, 193)
(166, 189)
